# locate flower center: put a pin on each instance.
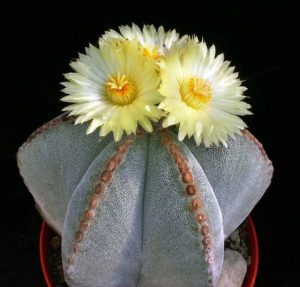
(152, 52)
(120, 90)
(195, 92)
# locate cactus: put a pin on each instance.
(149, 208)
(148, 211)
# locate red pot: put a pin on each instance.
(248, 282)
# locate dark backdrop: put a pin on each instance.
(259, 39)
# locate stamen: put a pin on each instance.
(196, 92)
(120, 90)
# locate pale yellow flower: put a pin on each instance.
(154, 42)
(114, 87)
(202, 94)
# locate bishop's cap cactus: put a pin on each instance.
(150, 207)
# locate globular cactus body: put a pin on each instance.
(148, 211)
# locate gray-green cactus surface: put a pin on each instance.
(148, 211)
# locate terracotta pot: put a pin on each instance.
(248, 282)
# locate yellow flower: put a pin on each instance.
(153, 42)
(114, 87)
(202, 94)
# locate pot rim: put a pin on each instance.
(251, 274)
(249, 280)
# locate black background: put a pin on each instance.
(40, 39)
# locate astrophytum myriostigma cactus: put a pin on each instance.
(148, 211)
(152, 207)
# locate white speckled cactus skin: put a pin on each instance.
(147, 211)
